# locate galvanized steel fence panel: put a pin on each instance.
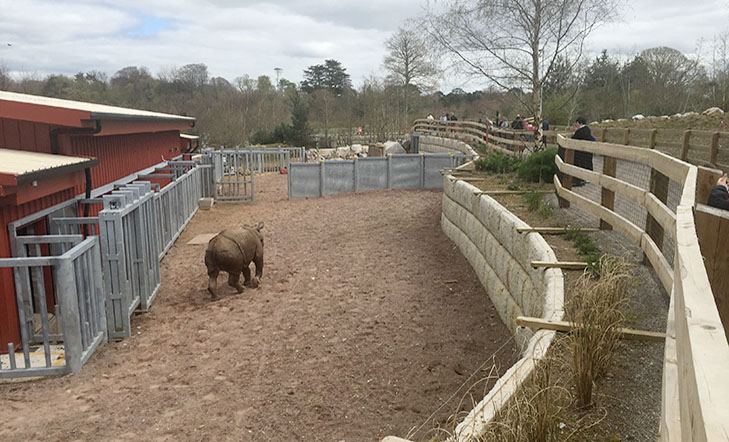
(405, 171)
(78, 320)
(234, 173)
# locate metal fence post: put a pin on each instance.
(70, 315)
(389, 171)
(355, 175)
(322, 178)
(422, 170)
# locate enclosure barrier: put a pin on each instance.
(429, 144)
(700, 147)
(398, 171)
(133, 230)
(487, 235)
(78, 321)
(695, 405)
(493, 139)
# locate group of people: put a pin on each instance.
(444, 117)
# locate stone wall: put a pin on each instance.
(486, 234)
(430, 144)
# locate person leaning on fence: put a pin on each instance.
(582, 159)
(518, 124)
(719, 196)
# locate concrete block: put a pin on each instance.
(205, 203)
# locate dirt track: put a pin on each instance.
(366, 320)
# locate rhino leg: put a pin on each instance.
(258, 261)
(213, 282)
(234, 281)
(246, 276)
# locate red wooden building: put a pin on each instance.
(66, 138)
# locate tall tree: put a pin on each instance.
(410, 66)
(330, 75)
(517, 43)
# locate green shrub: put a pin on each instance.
(497, 163)
(539, 166)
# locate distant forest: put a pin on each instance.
(657, 81)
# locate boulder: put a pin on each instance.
(637, 117)
(713, 111)
(393, 147)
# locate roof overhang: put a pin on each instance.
(19, 167)
(79, 114)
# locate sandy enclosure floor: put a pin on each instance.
(366, 320)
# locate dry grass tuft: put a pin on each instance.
(597, 309)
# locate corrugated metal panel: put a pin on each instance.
(8, 309)
(122, 155)
(20, 135)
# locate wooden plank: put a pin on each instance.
(555, 230)
(701, 343)
(669, 166)
(566, 326)
(712, 229)
(714, 148)
(569, 158)
(513, 192)
(630, 230)
(685, 145)
(658, 262)
(706, 179)
(568, 265)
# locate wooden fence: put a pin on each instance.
(491, 139)
(695, 404)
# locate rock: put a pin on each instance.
(637, 117)
(690, 114)
(713, 111)
(205, 203)
(607, 120)
(393, 147)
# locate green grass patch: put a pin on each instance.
(536, 203)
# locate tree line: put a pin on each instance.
(530, 53)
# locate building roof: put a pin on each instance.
(105, 120)
(97, 111)
(189, 137)
(19, 167)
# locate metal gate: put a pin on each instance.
(234, 171)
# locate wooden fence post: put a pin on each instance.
(714, 152)
(686, 145)
(652, 140)
(659, 188)
(609, 168)
(569, 158)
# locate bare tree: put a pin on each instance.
(516, 44)
(410, 65)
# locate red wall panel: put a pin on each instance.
(9, 331)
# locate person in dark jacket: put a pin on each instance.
(517, 124)
(719, 196)
(582, 159)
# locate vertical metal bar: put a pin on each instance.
(11, 356)
(322, 178)
(40, 294)
(78, 279)
(355, 175)
(71, 325)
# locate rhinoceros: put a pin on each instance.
(232, 251)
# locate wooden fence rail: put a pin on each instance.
(695, 404)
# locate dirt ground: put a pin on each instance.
(367, 319)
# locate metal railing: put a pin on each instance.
(77, 319)
(400, 171)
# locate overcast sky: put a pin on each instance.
(234, 38)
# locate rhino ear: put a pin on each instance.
(259, 227)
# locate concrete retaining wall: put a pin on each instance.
(486, 234)
(430, 144)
